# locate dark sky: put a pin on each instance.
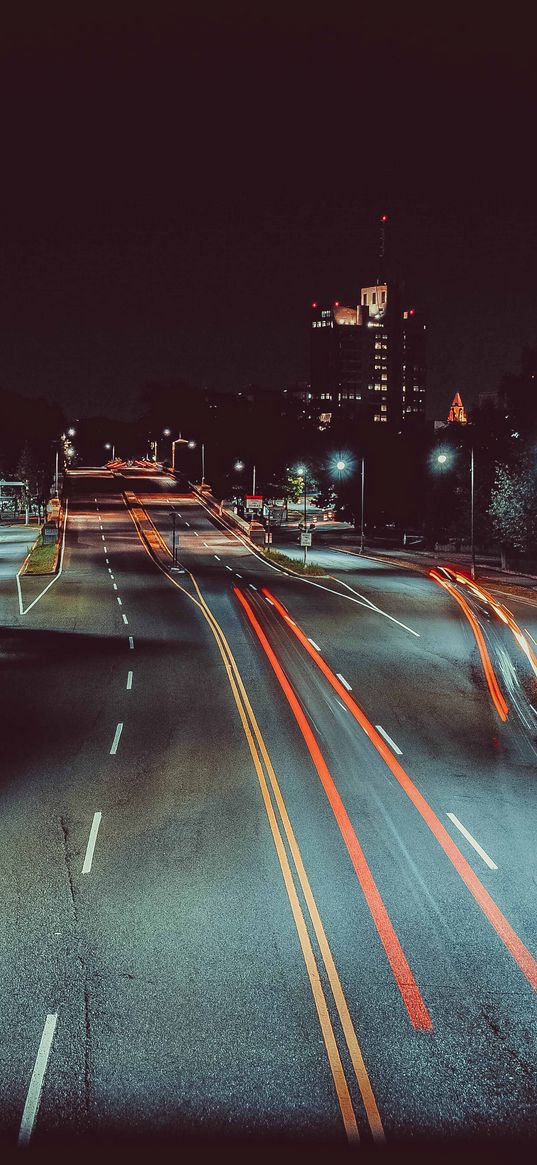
(177, 187)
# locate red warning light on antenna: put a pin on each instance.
(336, 303)
(384, 218)
(314, 305)
(411, 312)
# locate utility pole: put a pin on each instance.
(362, 509)
(253, 482)
(203, 464)
(57, 470)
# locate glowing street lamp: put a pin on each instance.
(443, 459)
(109, 445)
(340, 466)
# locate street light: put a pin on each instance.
(442, 459)
(340, 466)
(109, 445)
(178, 441)
(240, 465)
(301, 472)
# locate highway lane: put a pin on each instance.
(174, 966)
(474, 1072)
(461, 752)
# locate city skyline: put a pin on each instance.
(178, 191)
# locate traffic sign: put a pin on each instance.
(305, 538)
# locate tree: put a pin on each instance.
(513, 505)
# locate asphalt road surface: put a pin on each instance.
(267, 844)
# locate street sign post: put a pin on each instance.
(253, 502)
(305, 541)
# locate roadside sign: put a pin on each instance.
(305, 538)
(253, 502)
(268, 537)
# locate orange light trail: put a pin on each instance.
(504, 930)
(410, 993)
(490, 676)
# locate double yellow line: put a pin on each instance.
(268, 784)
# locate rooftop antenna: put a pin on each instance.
(382, 247)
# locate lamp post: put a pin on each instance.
(301, 471)
(442, 459)
(110, 445)
(178, 441)
(340, 465)
(203, 464)
(240, 465)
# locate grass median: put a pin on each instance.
(42, 559)
(294, 564)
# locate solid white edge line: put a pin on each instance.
(86, 868)
(379, 610)
(115, 741)
(479, 849)
(315, 645)
(388, 739)
(131, 643)
(36, 1083)
(129, 681)
(60, 568)
(344, 681)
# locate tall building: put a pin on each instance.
(368, 362)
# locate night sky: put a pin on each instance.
(177, 187)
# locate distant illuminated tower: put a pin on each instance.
(457, 413)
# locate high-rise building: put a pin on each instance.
(368, 362)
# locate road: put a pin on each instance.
(268, 843)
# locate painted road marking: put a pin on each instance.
(373, 607)
(114, 585)
(129, 681)
(344, 681)
(101, 527)
(131, 643)
(86, 868)
(125, 620)
(206, 544)
(238, 575)
(217, 558)
(229, 568)
(314, 644)
(488, 861)
(52, 581)
(115, 741)
(196, 533)
(118, 599)
(36, 1083)
(530, 635)
(107, 560)
(252, 586)
(187, 523)
(102, 536)
(269, 601)
(105, 550)
(388, 739)
(110, 572)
